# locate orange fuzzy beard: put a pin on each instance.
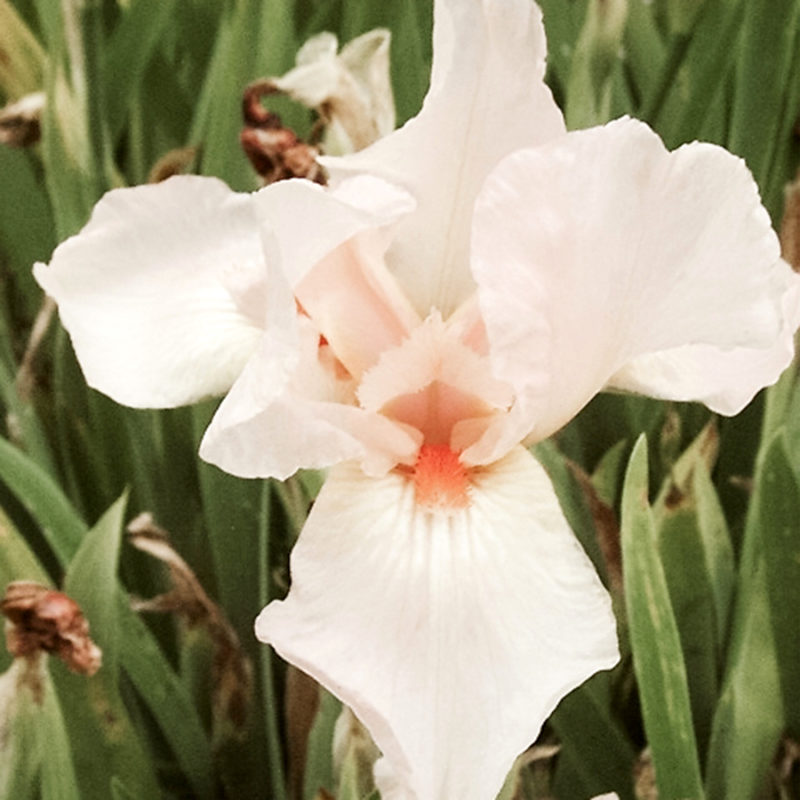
(440, 479)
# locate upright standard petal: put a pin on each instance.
(451, 632)
(487, 98)
(163, 291)
(612, 249)
(307, 221)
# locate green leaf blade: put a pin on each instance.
(43, 499)
(657, 656)
(91, 579)
(778, 513)
(748, 720)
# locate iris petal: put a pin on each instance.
(162, 291)
(487, 98)
(612, 249)
(452, 634)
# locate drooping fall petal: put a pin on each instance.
(613, 251)
(452, 633)
(163, 291)
(487, 98)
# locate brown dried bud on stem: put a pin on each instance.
(20, 121)
(254, 113)
(44, 620)
(274, 151)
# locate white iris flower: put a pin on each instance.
(465, 284)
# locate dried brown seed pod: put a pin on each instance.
(275, 151)
(41, 619)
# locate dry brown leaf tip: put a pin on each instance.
(232, 671)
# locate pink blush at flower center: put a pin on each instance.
(441, 481)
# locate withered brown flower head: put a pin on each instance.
(275, 151)
(45, 620)
(20, 122)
